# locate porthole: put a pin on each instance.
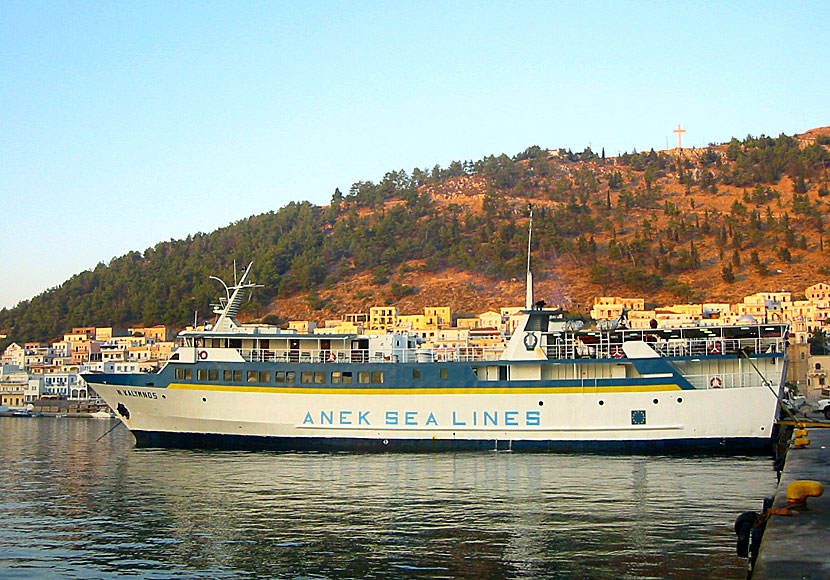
(164, 396)
(601, 402)
(204, 400)
(655, 401)
(541, 403)
(679, 399)
(763, 428)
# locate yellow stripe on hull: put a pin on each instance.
(422, 391)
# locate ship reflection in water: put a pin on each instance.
(74, 507)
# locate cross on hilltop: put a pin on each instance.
(679, 132)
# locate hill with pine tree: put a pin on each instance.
(682, 225)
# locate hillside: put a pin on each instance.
(680, 225)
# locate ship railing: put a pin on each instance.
(728, 380)
(457, 354)
(691, 347)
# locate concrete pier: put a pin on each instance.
(796, 546)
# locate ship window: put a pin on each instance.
(416, 373)
(179, 374)
(363, 377)
(188, 374)
(237, 376)
(444, 373)
(213, 375)
(202, 374)
(235, 343)
(290, 377)
(336, 377)
(320, 378)
(347, 378)
(377, 377)
(279, 377)
(228, 376)
(253, 376)
(306, 377)
(264, 377)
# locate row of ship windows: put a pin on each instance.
(290, 377)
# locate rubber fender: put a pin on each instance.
(743, 529)
(799, 491)
(801, 442)
(801, 433)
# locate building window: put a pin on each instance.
(818, 366)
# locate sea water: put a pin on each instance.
(73, 506)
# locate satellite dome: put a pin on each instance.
(747, 319)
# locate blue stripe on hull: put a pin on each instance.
(715, 446)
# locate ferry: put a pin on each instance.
(555, 386)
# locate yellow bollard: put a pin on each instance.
(799, 491)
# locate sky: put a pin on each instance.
(125, 124)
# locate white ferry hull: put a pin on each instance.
(652, 420)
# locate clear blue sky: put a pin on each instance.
(123, 124)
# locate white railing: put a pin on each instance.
(730, 380)
(459, 354)
(692, 347)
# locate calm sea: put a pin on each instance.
(74, 507)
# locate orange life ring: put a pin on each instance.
(203, 355)
(716, 382)
(617, 352)
(332, 357)
(714, 348)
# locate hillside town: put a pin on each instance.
(35, 373)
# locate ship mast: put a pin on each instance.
(529, 289)
(229, 306)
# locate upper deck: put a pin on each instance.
(556, 342)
